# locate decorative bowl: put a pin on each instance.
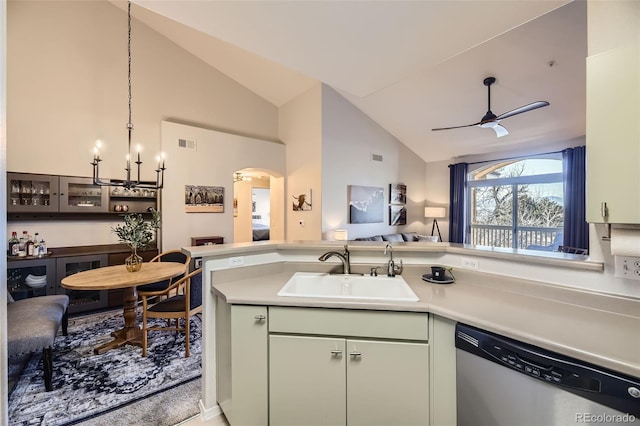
(36, 281)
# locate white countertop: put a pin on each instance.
(593, 327)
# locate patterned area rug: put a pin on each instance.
(88, 385)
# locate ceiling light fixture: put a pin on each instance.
(239, 177)
(128, 183)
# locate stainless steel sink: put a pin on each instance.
(312, 284)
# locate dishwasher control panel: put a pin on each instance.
(550, 373)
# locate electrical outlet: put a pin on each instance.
(236, 261)
(627, 267)
(470, 263)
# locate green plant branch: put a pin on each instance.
(136, 232)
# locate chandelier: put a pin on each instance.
(128, 183)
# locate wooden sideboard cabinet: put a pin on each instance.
(65, 261)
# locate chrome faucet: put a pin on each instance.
(392, 268)
(344, 258)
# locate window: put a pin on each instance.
(517, 203)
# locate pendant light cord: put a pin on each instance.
(129, 57)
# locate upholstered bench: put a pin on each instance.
(32, 325)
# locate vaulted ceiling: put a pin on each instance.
(409, 65)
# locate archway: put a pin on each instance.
(258, 206)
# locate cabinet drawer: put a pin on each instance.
(346, 322)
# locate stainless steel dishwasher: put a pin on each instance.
(503, 382)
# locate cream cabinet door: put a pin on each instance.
(306, 381)
(613, 136)
(242, 363)
(387, 383)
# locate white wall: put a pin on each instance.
(349, 137)
(437, 195)
(216, 157)
(67, 87)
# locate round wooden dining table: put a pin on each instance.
(115, 277)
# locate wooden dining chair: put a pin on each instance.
(179, 307)
(167, 256)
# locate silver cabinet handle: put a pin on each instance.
(260, 317)
(355, 354)
(336, 353)
(604, 210)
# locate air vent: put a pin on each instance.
(376, 157)
(186, 143)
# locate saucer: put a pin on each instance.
(429, 278)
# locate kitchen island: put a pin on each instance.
(591, 326)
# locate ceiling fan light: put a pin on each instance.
(500, 131)
(489, 124)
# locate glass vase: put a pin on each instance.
(133, 263)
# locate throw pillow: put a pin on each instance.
(430, 238)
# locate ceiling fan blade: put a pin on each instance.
(456, 127)
(525, 108)
(500, 131)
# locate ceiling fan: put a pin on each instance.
(490, 120)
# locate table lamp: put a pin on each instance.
(341, 235)
(435, 212)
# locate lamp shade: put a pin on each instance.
(341, 235)
(435, 212)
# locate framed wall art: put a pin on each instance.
(366, 204)
(203, 199)
(302, 201)
(397, 215)
(397, 193)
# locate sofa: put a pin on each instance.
(400, 237)
(32, 325)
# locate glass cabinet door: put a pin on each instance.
(31, 278)
(81, 300)
(32, 193)
(79, 194)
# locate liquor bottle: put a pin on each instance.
(14, 244)
(42, 248)
(22, 243)
(28, 246)
(36, 244)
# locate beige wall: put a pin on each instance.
(301, 131)
(67, 87)
(3, 235)
(349, 138)
(213, 162)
